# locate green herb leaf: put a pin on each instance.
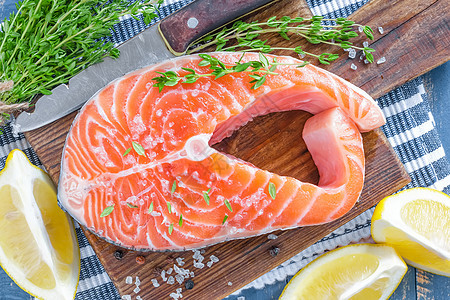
(206, 197)
(368, 31)
(170, 228)
(264, 60)
(131, 205)
(228, 205)
(174, 187)
(107, 211)
(169, 207)
(180, 221)
(150, 209)
(272, 190)
(127, 151)
(138, 148)
(224, 219)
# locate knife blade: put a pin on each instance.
(168, 39)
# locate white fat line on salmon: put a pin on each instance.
(149, 240)
(313, 199)
(335, 88)
(249, 200)
(195, 149)
(266, 203)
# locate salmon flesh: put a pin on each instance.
(173, 191)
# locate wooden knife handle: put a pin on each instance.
(201, 17)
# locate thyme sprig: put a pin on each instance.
(46, 42)
(246, 35)
(259, 70)
(247, 38)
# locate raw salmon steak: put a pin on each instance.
(172, 191)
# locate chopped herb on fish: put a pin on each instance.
(127, 151)
(150, 209)
(228, 205)
(108, 210)
(131, 205)
(272, 190)
(224, 219)
(206, 197)
(180, 222)
(138, 148)
(174, 187)
(170, 228)
(169, 207)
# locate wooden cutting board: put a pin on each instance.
(415, 40)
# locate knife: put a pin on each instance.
(168, 39)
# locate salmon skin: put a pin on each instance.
(178, 193)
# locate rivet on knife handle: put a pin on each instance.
(201, 17)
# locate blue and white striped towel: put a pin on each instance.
(410, 129)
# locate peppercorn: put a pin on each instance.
(274, 251)
(140, 259)
(118, 254)
(189, 285)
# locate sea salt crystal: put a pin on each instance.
(360, 29)
(272, 236)
(176, 269)
(174, 296)
(209, 264)
(136, 290)
(196, 254)
(180, 261)
(230, 283)
(192, 274)
(381, 60)
(178, 290)
(241, 298)
(138, 298)
(129, 280)
(163, 275)
(352, 53)
(171, 280)
(180, 271)
(155, 283)
(366, 44)
(353, 67)
(169, 271)
(179, 278)
(15, 129)
(202, 251)
(366, 61)
(214, 258)
(137, 282)
(126, 297)
(380, 30)
(198, 265)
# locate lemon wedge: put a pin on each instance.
(38, 246)
(416, 222)
(363, 271)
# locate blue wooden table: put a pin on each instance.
(416, 284)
